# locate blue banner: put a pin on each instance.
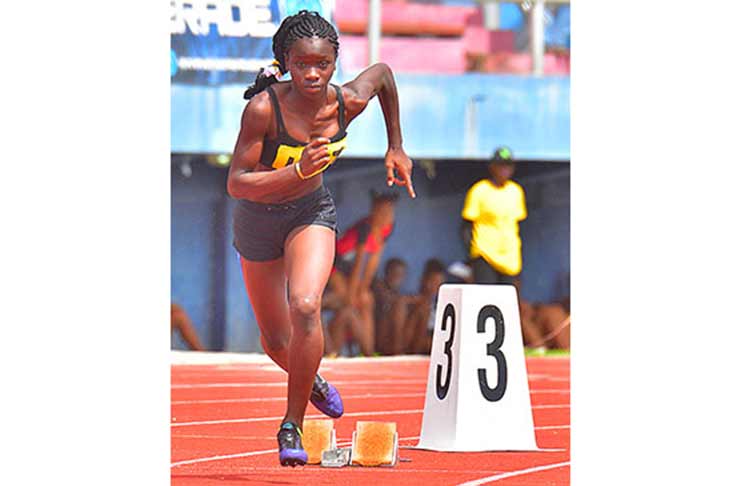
(214, 42)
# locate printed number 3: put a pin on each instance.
(442, 390)
(493, 349)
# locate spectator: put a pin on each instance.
(420, 321)
(386, 292)
(552, 324)
(357, 255)
(179, 321)
(492, 213)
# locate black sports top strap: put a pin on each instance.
(276, 109)
(341, 101)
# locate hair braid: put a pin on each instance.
(303, 25)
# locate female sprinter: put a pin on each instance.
(285, 219)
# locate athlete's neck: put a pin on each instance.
(305, 103)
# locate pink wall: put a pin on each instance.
(404, 18)
(407, 54)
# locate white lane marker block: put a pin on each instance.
(477, 390)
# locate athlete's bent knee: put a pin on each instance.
(305, 309)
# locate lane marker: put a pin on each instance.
(520, 472)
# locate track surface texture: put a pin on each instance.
(226, 412)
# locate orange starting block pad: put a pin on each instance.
(318, 436)
(375, 444)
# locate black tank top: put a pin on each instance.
(285, 150)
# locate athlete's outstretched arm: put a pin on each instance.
(246, 183)
(379, 80)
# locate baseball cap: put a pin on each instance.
(503, 154)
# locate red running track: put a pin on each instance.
(225, 417)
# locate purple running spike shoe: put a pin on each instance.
(326, 398)
(291, 453)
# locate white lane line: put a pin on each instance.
(180, 386)
(520, 472)
(221, 358)
(342, 383)
(257, 437)
(535, 377)
(344, 397)
(376, 470)
(352, 414)
(366, 395)
(219, 458)
(253, 453)
(283, 398)
(284, 383)
(315, 416)
(230, 437)
(346, 442)
(268, 419)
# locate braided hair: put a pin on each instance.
(303, 25)
(378, 197)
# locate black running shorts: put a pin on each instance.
(260, 229)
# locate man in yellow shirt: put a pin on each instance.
(492, 213)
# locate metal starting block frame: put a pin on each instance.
(336, 457)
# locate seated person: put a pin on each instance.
(348, 293)
(389, 338)
(546, 325)
(179, 321)
(420, 319)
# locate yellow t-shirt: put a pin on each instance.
(496, 213)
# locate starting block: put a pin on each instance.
(318, 438)
(375, 444)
